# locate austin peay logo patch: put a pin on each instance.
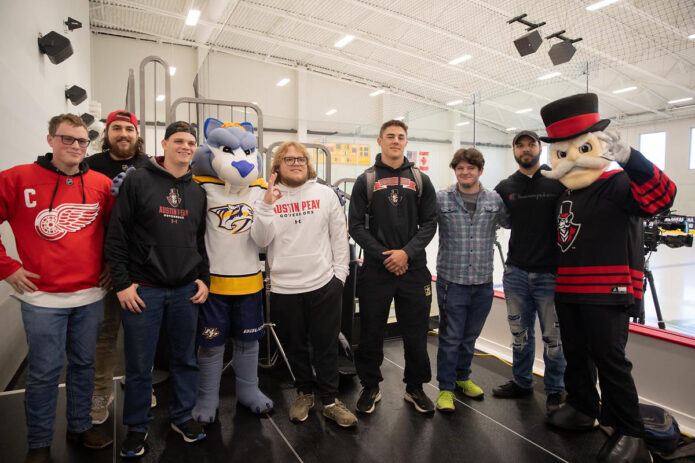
(236, 218)
(394, 196)
(567, 230)
(173, 197)
(210, 332)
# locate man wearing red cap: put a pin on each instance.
(122, 148)
(601, 264)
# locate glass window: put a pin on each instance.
(692, 148)
(544, 154)
(653, 146)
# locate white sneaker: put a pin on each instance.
(153, 401)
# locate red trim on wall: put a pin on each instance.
(658, 333)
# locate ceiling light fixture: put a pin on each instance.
(525, 110)
(400, 118)
(377, 92)
(193, 17)
(680, 100)
(623, 90)
(462, 123)
(509, 129)
(172, 70)
(550, 76)
(283, 82)
(601, 4)
(460, 59)
(691, 36)
(454, 103)
(344, 41)
(330, 112)
(161, 97)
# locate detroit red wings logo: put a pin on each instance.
(69, 217)
(567, 230)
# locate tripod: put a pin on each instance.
(649, 281)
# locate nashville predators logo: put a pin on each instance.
(236, 218)
(210, 333)
(55, 224)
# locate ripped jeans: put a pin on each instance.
(528, 293)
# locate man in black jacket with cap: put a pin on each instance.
(156, 251)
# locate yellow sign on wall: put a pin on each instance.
(350, 153)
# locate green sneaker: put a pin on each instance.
(470, 389)
(299, 411)
(339, 413)
(445, 402)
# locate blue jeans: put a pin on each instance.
(463, 310)
(528, 294)
(140, 335)
(51, 332)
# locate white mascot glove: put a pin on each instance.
(615, 148)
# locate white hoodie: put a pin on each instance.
(306, 235)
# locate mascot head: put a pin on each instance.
(229, 153)
(576, 153)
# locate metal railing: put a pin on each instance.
(143, 97)
(321, 153)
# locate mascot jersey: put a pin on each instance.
(234, 265)
(598, 266)
(58, 223)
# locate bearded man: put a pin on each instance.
(601, 264)
(123, 148)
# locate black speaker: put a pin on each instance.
(76, 94)
(528, 43)
(56, 46)
(87, 118)
(561, 52)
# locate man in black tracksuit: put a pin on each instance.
(393, 233)
(155, 247)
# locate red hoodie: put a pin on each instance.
(58, 222)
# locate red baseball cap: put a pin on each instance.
(122, 115)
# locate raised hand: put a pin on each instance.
(615, 148)
(273, 193)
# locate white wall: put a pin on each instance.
(32, 91)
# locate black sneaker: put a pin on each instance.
(511, 390)
(420, 401)
(190, 430)
(554, 401)
(134, 444)
(368, 399)
(38, 455)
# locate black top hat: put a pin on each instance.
(571, 116)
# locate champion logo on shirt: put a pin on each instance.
(66, 218)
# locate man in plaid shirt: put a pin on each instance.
(468, 218)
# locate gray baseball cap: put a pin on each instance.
(525, 133)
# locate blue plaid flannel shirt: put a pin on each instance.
(466, 245)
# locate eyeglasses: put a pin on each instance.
(68, 140)
(301, 161)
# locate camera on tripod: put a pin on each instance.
(656, 230)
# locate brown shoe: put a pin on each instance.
(92, 438)
(38, 455)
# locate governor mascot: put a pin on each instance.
(227, 167)
(601, 265)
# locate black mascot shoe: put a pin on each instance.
(568, 417)
(624, 449)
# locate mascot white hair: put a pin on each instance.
(227, 167)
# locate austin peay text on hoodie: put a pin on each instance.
(297, 208)
(173, 213)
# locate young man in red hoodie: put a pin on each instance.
(57, 209)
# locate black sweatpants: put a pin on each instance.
(599, 333)
(412, 292)
(308, 325)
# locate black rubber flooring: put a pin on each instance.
(492, 430)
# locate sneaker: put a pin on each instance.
(153, 400)
(511, 390)
(38, 455)
(100, 408)
(190, 430)
(445, 402)
(470, 389)
(554, 401)
(299, 411)
(134, 444)
(92, 438)
(340, 414)
(419, 399)
(368, 399)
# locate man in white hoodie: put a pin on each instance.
(303, 225)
